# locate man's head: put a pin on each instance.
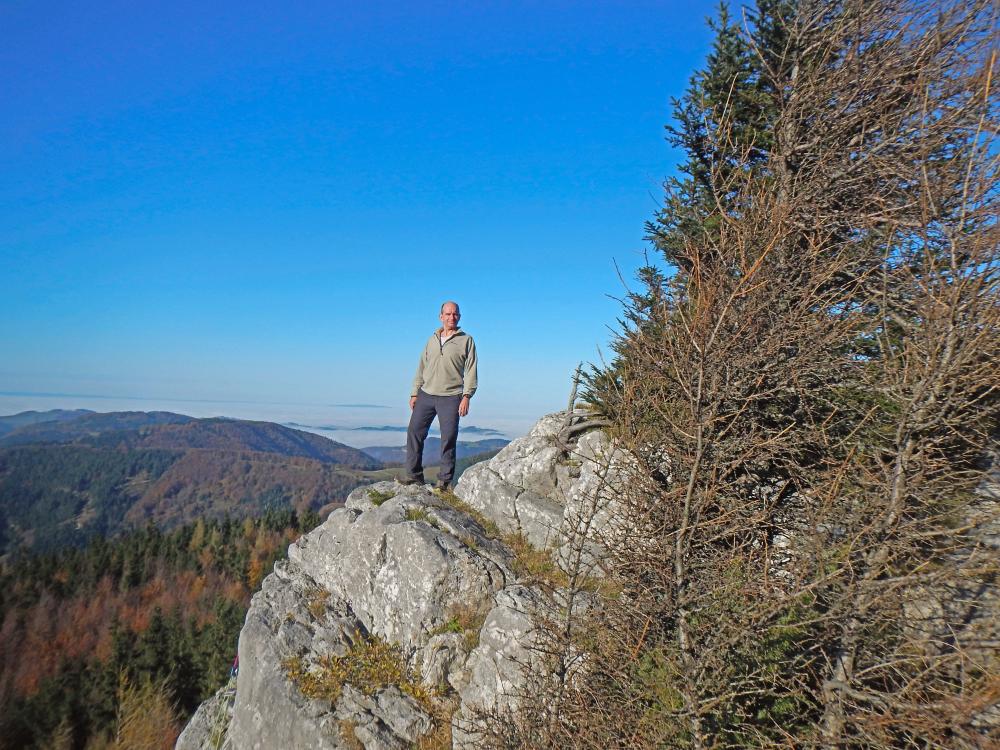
(450, 316)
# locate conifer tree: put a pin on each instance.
(723, 123)
(799, 555)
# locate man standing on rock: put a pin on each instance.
(443, 385)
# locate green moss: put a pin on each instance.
(452, 626)
(466, 619)
(418, 514)
(378, 497)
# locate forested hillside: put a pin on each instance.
(66, 480)
(53, 495)
(130, 545)
(159, 608)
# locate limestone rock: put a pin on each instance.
(400, 576)
(389, 719)
(442, 656)
(495, 666)
(394, 563)
(532, 487)
(208, 725)
(400, 564)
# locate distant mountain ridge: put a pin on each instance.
(432, 450)
(13, 422)
(470, 429)
(85, 424)
(167, 430)
(231, 434)
(67, 478)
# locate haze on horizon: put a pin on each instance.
(260, 208)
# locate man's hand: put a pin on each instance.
(413, 402)
(463, 407)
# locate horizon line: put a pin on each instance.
(43, 394)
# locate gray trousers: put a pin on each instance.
(424, 411)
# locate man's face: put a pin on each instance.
(450, 317)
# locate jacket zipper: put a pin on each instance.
(442, 343)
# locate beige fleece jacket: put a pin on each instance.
(447, 369)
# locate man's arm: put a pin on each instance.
(471, 377)
(470, 380)
(418, 380)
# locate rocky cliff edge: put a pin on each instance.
(405, 614)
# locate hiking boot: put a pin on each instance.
(410, 480)
(443, 486)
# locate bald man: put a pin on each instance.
(445, 382)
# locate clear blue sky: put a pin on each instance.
(264, 201)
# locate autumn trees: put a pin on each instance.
(124, 638)
(806, 407)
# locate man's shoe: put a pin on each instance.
(410, 480)
(443, 486)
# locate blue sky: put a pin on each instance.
(265, 202)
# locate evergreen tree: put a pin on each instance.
(803, 407)
(723, 122)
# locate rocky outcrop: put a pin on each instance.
(419, 592)
(424, 580)
(208, 726)
(535, 488)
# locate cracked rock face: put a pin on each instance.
(517, 488)
(494, 671)
(400, 564)
(535, 488)
(400, 576)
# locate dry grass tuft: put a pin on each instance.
(316, 599)
(370, 666)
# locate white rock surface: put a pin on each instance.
(494, 672)
(397, 562)
(532, 487)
